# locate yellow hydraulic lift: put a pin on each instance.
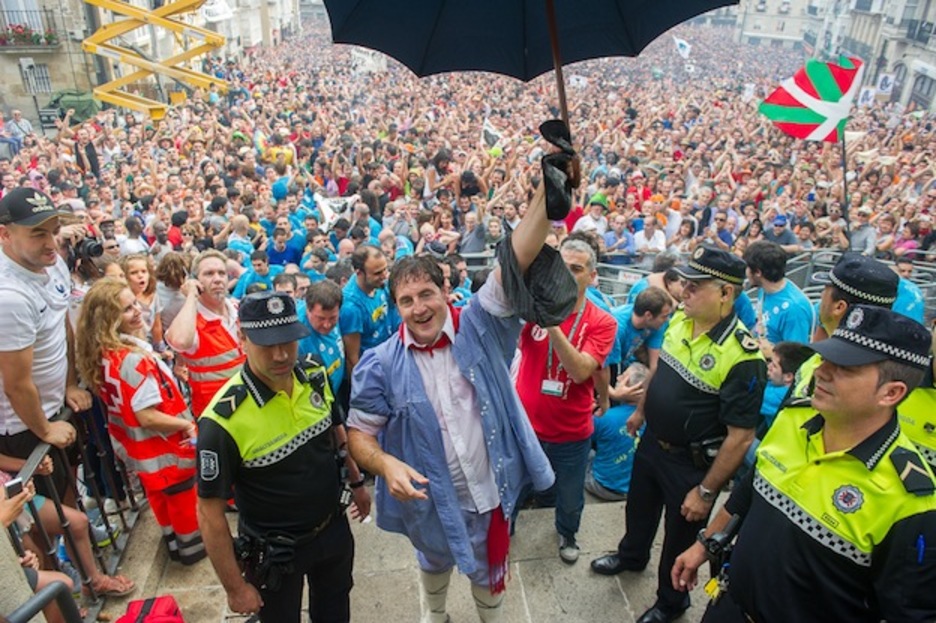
(101, 43)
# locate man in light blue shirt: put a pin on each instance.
(322, 308)
(260, 271)
(784, 312)
(366, 319)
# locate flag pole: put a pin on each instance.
(845, 184)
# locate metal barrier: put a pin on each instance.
(107, 557)
(56, 591)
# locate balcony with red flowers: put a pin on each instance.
(33, 31)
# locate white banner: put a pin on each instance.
(866, 96)
(885, 84)
(364, 61)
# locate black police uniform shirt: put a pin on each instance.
(703, 385)
(293, 488)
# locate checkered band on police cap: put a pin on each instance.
(891, 334)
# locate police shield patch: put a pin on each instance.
(848, 498)
(208, 465)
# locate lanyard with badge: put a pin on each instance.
(553, 386)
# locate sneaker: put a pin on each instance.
(101, 537)
(568, 549)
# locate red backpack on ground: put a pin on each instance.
(162, 609)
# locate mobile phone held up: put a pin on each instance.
(13, 487)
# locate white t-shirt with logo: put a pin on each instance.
(34, 309)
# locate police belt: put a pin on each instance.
(670, 448)
(300, 540)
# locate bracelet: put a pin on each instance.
(358, 484)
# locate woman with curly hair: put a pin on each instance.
(148, 419)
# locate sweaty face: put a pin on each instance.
(375, 272)
(323, 320)
(423, 308)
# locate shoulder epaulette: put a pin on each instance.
(912, 472)
(310, 362)
(233, 397)
(748, 342)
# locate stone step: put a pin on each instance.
(541, 588)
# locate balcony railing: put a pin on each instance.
(29, 28)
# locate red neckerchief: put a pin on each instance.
(443, 339)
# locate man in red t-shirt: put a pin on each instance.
(555, 384)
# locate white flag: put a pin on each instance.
(866, 96)
(490, 137)
(682, 47)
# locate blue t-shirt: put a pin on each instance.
(629, 338)
(773, 397)
(329, 348)
(289, 255)
(614, 449)
(244, 247)
(251, 277)
(370, 316)
(910, 300)
(787, 315)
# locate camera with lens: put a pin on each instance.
(85, 249)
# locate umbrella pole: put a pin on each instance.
(557, 60)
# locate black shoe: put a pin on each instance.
(659, 614)
(612, 565)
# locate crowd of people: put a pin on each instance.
(281, 288)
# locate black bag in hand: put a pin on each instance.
(556, 168)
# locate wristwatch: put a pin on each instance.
(707, 495)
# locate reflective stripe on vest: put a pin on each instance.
(211, 375)
(218, 357)
(276, 434)
(157, 458)
(689, 356)
(833, 497)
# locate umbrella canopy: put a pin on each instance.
(510, 37)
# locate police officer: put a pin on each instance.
(855, 279)
(268, 433)
(846, 502)
(701, 407)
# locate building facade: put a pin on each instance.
(40, 43)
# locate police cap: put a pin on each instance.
(870, 334)
(269, 318)
(712, 263)
(864, 278)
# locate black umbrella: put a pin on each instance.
(518, 38)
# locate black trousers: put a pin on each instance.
(21, 445)
(660, 480)
(725, 610)
(326, 563)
